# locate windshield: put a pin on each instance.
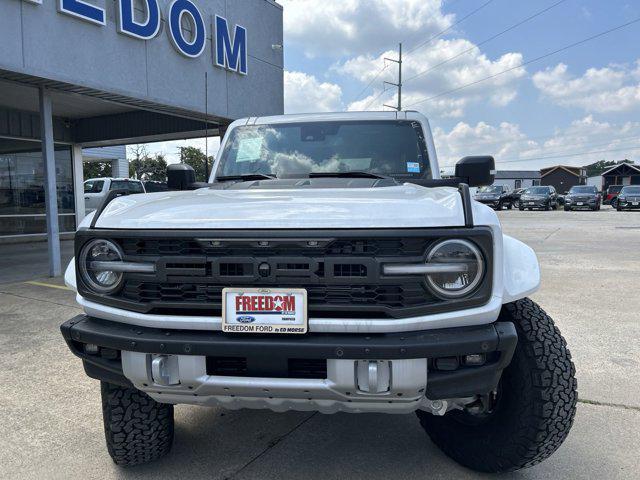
(394, 148)
(631, 190)
(490, 189)
(583, 190)
(93, 186)
(133, 187)
(614, 189)
(537, 191)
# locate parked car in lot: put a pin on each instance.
(496, 196)
(515, 196)
(628, 198)
(540, 197)
(611, 196)
(97, 189)
(325, 267)
(582, 197)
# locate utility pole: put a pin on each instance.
(399, 84)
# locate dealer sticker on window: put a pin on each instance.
(264, 310)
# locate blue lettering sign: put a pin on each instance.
(128, 25)
(188, 47)
(82, 10)
(231, 54)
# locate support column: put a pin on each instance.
(50, 187)
(78, 182)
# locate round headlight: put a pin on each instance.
(94, 265)
(466, 267)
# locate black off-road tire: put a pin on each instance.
(535, 406)
(137, 428)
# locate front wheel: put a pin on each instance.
(137, 428)
(534, 408)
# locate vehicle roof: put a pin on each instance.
(112, 178)
(331, 116)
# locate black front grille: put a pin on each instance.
(321, 298)
(271, 367)
(208, 246)
(341, 270)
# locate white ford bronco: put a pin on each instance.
(326, 266)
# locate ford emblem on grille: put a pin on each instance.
(246, 319)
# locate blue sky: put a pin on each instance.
(545, 109)
(572, 108)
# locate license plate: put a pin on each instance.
(579, 203)
(264, 310)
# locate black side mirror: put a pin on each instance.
(180, 176)
(476, 171)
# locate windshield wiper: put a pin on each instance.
(348, 175)
(247, 177)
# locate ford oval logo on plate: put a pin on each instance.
(246, 319)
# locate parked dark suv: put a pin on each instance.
(544, 198)
(628, 198)
(582, 196)
(496, 196)
(611, 197)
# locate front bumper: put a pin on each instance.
(629, 204)
(394, 372)
(536, 203)
(586, 203)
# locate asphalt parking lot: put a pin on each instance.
(51, 423)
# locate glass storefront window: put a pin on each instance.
(22, 203)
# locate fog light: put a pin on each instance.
(91, 349)
(475, 359)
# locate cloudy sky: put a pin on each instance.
(481, 70)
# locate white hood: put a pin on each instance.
(404, 206)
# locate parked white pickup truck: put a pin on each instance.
(325, 267)
(97, 189)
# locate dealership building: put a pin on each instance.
(80, 74)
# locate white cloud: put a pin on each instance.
(514, 150)
(439, 77)
(304, 93)
(615, 88)
(349, 27)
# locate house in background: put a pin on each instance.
(621, 174)
(517, 178)
(562, 177)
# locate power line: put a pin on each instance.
(541, 57)
(375, 98)
(442, 32)
(430, 39)
(577, 154)
(590, 144)
(493, 37)
(357, 97)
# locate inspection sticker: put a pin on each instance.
(413, 167)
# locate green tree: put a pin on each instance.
(602, 165)
(146, 167)
(96, 169)
(196, 158)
